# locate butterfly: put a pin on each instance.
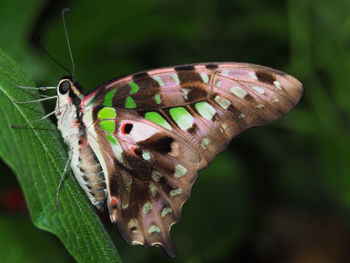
(137, 142)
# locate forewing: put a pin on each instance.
(207, 104)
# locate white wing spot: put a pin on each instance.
(176, 78)
(159, 80)
(166, 210)
(147, 156)
(258, 89)
(239, 92)
(174, 149)
(153, 188)
(147, 207)
(260, 106)
(118, 151)
(218, 84)
(224, 103)
(184, 119)
(242, 116)
(133, 223)
(185, 92)
(204, 143)
(277, 84)
(205, 110)
(224, 72)
(205, 77)
(153, 229)
(175, 192)
(156, 176)
(142, 131)
(252, 75)
(180, 171)
(276, 100)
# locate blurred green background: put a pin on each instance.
(280, 193)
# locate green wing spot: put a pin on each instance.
(153, 229)
(134, 87)
(147, 207)
(107, 113)
(182, 117)
(111, 139)
(157, 119)
(130, 103)
(108, 126)
(166, 210)
(175, 192)
(205, 109)
(109, 97)
(157, 98)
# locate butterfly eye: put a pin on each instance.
(64, 86)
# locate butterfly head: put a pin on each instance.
(69, 94)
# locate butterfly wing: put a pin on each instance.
(154, 130)
(201, 101)
(149, 172)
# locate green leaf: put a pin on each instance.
(37, 156)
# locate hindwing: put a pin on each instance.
(150, 172)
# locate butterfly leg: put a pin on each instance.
(44, 97)
(40, 119)
(38, 100)
(34, 88)
(62, 180)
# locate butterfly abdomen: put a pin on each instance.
(92, 175)
(87, 170)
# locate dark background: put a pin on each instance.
(280, 193)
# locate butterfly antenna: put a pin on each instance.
(68, 43)
(50, 56)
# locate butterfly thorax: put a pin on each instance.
(84, 162)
